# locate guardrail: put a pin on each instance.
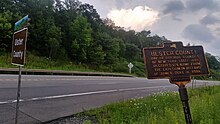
(59, 72)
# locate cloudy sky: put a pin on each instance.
(191, 21)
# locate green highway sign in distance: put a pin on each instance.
(175, 62)
(21, 23)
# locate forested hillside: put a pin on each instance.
(68, 30)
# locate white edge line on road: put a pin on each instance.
(3, 103)
(82, 94)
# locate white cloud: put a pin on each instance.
(137, 19)
(187, 29)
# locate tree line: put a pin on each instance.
(69, 30)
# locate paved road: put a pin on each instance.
(45, 98)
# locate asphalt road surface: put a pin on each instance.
(45, 98)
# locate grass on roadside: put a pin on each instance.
(162, 108)
(35, 62)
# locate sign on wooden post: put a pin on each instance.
(175, 62)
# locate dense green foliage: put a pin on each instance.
(214, 66)
(162, 108)
(213, 62)
(69, 31)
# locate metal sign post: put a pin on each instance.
(19, 53)
(177, 63)
(130, 65)
(184, 98)
(18, 95)
(18, 58)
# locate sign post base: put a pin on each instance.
(184, 98)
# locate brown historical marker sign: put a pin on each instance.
(175, 62)
(19, 47)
